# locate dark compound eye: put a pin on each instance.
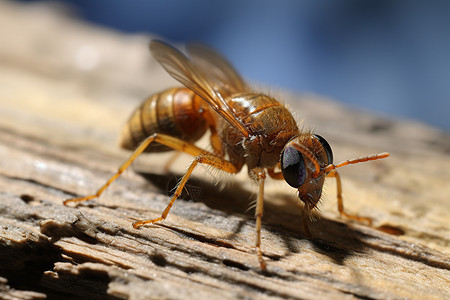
(293, 167)
(326, 146)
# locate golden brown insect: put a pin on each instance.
(247, 128)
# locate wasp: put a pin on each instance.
(246, 128)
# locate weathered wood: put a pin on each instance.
(59, 124)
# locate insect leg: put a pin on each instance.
(335, 174)
(260, 177)
(169, 141)
(258, 214)
(204, 158)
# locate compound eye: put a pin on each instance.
(293, 167)
(326, 146)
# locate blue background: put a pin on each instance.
(391, 57)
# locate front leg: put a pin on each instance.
(335, 174)
(260, 176)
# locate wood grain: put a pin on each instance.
(59, 124)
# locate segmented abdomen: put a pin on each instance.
(176, 112)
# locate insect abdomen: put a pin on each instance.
(176, 112)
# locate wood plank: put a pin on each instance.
(59, 125)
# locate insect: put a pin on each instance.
(247, 128)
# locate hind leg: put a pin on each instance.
(174, 143)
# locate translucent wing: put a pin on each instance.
(219, 71)
(183, 70)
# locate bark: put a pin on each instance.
(59, 123)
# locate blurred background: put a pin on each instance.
(391, 57)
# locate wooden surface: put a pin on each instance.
(66, 88)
